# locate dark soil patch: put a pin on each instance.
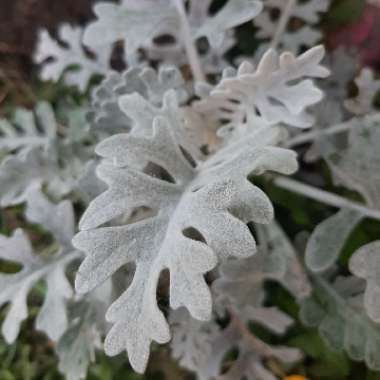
(20, 21)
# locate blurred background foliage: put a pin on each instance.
(32, 357)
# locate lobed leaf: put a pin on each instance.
(210, 202)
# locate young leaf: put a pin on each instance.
(267, 95)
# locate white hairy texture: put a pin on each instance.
(212, 198)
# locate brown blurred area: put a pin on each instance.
(20, 21)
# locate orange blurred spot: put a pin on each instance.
(295, 377)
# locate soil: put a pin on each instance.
(20, 21)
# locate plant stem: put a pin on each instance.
(191, 50)
(282, 24)
(313, 135)
(324, 196)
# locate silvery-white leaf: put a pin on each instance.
(77, 125)
(62, 57)
(338, 312)
(89, 185)
(192, 339)
(328, 238)
(139, 24)
(23, 132)
(330, 110)
(15, 287)
(368, 87)
(106, 115)
(234, 13)
(267, 95)
(241, 282)
(211, 201)
(307, 14)
(202, 347)
(135, 26)
(364, 263)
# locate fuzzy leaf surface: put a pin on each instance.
(199, 217)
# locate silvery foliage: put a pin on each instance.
(355, 168)
(364, 264)
(39, 151)
(52, 317)
(138, 24)
(164, 202)
(347, 311)
(71, 62)
(202, 347)
(83, 336)
(307, 13)
(106, 116)
(277, 91)
(212, 200)
(331, 110)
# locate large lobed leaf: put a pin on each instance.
(199, 216)
(70, 62)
